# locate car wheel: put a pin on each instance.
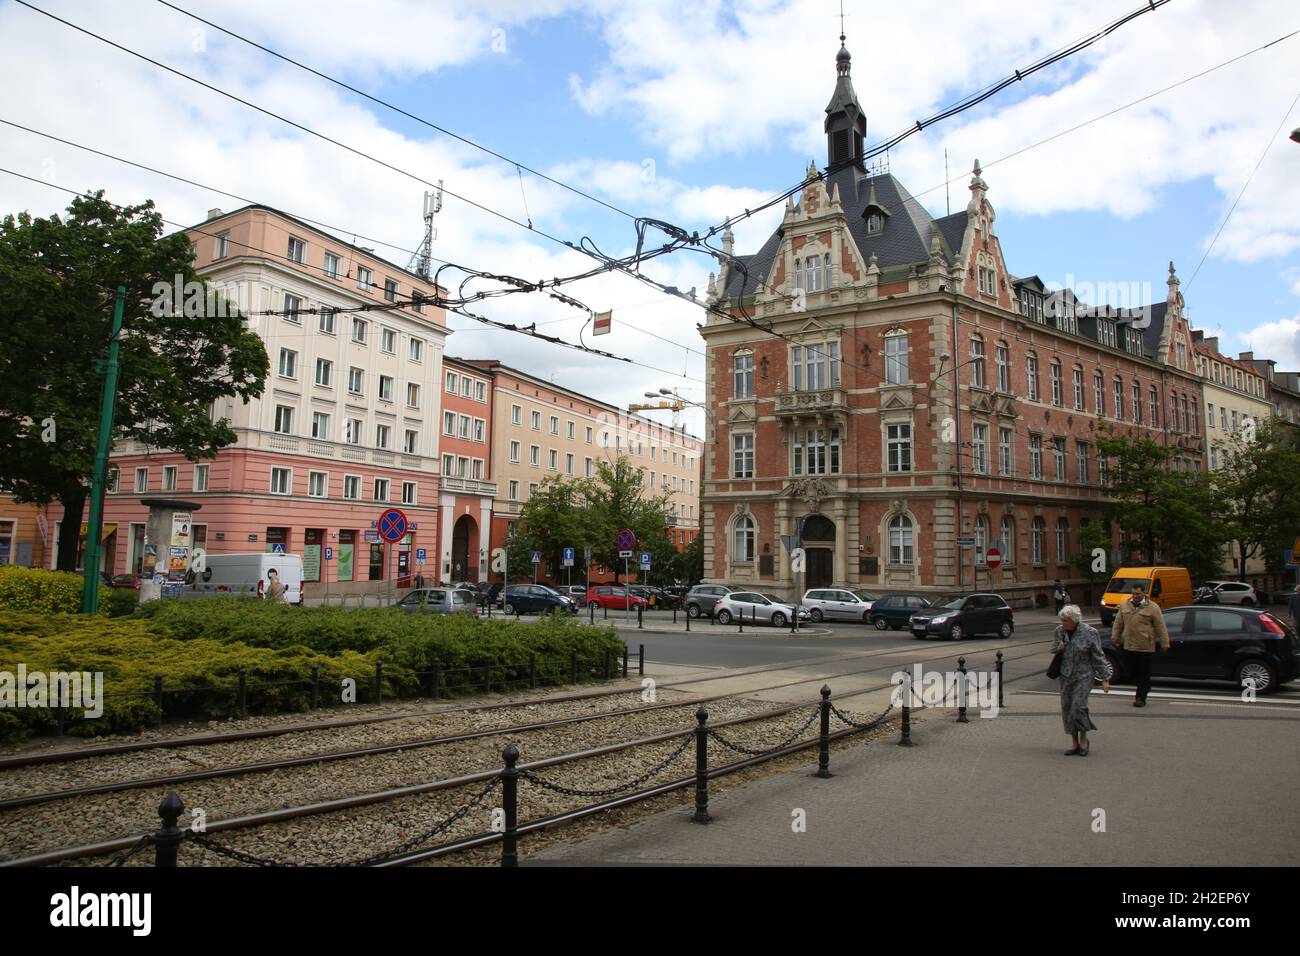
(956, 632)
(881, 624)
(1259, 672)
(724, 617)
(816, 615)
(1005, 630)
(692, 610)
(509, 609)
(778, 619)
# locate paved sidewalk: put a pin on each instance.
(1181, 784)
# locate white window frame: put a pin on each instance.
(288, 483)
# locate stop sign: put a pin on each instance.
(993, 557)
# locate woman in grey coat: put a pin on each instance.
(1082, 661)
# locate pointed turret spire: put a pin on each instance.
(846, 124)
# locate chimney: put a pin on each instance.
(1247, 356)
(1213, 344)
(214, 214)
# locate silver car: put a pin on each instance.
(755, 607)
(838, 604)
(1231, 592)
(440, 601)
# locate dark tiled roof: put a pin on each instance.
(904, 240)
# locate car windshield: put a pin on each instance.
(952, 601)
(773, 599)
(865, 595)
(1126, 585)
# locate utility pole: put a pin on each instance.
(95, 523)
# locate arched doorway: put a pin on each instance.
(819, 548)
(461, 567)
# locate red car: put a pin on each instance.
(126, 581)
(613, 597)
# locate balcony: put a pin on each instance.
(814, 402)
(468, 486)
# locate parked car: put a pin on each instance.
(125, 581)
(1227, 592)
(440, 601)
(248, 573)
(1222, 643)
(703, 598)
(964, 615)
(896, 610)
(753, 606)
(613, 596)
(536, 599)
(1166, 587)
(838, 604)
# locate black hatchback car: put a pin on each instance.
(1214, 642)
(964, 615)
(536, 599)
(895, 610)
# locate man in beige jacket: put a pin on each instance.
(1140, 629)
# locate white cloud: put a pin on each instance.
(1278, 340)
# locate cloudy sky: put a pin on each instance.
(1102, 168)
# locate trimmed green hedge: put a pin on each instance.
(35, 589)
(199, 647)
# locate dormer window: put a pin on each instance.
(875, 223)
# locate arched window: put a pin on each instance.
(977, 361)
(1004, 367)
(896, 358)
(1008, 540)
(981, 536)
(1062, 539)
(798, 274)
(900, 540)
(743, 550)
(1036, 533)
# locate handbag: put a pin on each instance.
(1054, 668)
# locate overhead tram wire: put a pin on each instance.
(397, 109)
(371, 307)
(680, 237)
(304, 218)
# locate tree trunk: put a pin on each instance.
(74, 502)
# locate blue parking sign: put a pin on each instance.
(421, 554)
(329, 554)
(645, 560)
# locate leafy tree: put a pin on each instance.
(589, 512)
(1256, 485)
(1091, 537)
(60, 276)
(1137, 470)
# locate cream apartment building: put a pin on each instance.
(1235, 394)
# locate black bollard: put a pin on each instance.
(701, 767)
(688, 622)
(906, 739)
(674, 613)
(740, 616)
(638, 616)
(510, 805)
(605, 608)
(592, 609)
(167, 841)
(961, 692)
(824, 744)
(607, 667)
(640, 664)
(626, 651)
(999, 670)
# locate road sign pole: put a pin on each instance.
(627, 604)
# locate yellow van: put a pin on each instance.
(1166, 587)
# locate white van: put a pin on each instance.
(247, 575)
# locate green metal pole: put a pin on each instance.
(95, 524)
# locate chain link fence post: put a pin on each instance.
(701, 767)
(961, 691)
(824, 738)
(167, 841)
(510, 806)
(905, 740)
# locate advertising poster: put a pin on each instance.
(344, 553)
(311, 562)
(181, 529)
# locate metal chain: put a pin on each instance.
(611, 791)
(230, 852)
(131, 851)
(781, 746)
(844, 716)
